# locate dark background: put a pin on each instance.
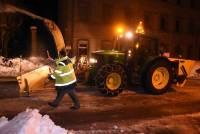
(45, 8)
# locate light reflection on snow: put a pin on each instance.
(30, 122)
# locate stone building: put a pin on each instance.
(89, 25)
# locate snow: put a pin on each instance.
(3, 121)
(12, 67)
(30, 122)
(194, 74)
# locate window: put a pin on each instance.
(83, 46)
(177, 26)
(147, 22)
(1, 41)
(128, 15)
(199, 53)
(192, 3)
(178, 51)
(163, 24)
(191, 27)
(178, 2)
(190, 51)
(107, 13)
(3, 26)
(84, 8)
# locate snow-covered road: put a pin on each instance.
(133, 111)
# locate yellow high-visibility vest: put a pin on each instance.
(64, 73)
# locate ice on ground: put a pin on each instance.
(13, 67)
(30, 122)
(177, 124)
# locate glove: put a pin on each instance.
(49, 77)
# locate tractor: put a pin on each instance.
(136, 61)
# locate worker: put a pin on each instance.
(65, 80)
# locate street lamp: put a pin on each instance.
(129, 35)
(119, 34)
(120, 31)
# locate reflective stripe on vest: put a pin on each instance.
(64, 75)
(62, 63)
(53, 77)
(57, 71)
(65, 84)
(68, 73)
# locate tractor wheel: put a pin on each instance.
(111, 79)
(158, 77)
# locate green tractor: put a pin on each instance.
(139, 60)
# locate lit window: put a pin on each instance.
(83, 46)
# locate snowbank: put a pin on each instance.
(12, 67)
(30, 122)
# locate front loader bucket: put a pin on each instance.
(186, 68)
(9, 87)
(32, 81)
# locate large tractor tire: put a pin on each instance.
(158, 77)
(111, 79)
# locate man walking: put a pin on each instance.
(65, 80)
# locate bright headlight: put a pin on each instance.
(129, 53)
(93, 60)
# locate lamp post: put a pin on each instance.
(119, 34)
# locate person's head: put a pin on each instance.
(62, 53)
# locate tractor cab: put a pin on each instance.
(139, 45)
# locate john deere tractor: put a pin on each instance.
(138, 61)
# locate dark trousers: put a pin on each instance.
(70, 90)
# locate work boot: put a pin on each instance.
(52, 104)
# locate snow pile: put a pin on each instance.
(30, 122)
(12, 67)
(195, 72)
(3, 121)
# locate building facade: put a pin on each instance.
(89, 25)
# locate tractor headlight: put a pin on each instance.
(129, 53)
(93, 60)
